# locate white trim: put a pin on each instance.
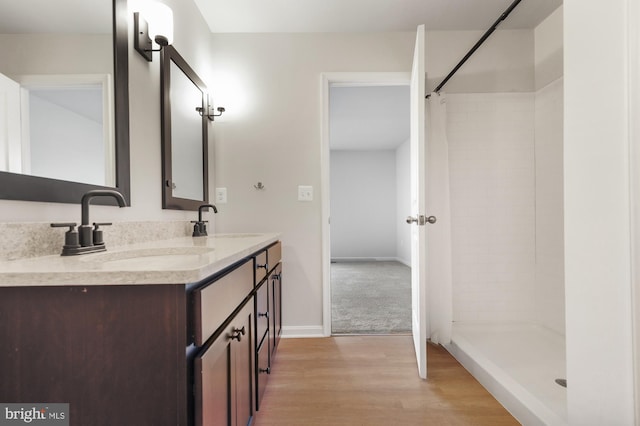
(296, 332)
(633, 23)
(327, 80)
(366, 259)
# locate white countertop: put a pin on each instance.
(175, 261)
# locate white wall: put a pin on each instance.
(597, 213)
(64, 144)
(549, 288)
(403, 204)
(492, 178)
(271, 131)
(548, 53)
(363, 204)
(192, 39)
(504, 63)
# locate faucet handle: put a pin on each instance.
(71, 225)
(71, 238)
(97, 232)
(199, 228)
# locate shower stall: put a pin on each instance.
(505, 212)
(505, 168)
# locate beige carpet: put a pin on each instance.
(370, 298)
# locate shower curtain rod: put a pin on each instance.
(477, 45)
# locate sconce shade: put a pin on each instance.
(160, 19)
(155, 23)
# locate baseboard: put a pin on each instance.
(365, 259)
(302, 331)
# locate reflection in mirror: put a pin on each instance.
(61, 118)
(64, 125)
(184, 134)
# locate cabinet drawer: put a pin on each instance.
(262, 311)
(214, 303)
(261, 266)
(274, 254)
(262, 375)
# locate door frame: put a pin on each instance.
(327, 80)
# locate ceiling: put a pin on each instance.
(368, 117)
(287, 16)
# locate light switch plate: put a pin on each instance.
(221, 195)
(305, 193)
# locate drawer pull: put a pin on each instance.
(265, 315)
(237, 334)
(265, 370)
(258, 266)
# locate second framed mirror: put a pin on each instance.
(184, 134)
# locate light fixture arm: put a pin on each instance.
(162, 31)
(209, 115)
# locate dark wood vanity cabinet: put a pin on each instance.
(233, 360)
(114, 353)
(133, 354)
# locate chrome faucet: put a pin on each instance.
(87, 239)
(200, 226)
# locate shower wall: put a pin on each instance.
(492, 174)
(549, 285)
(506, 154)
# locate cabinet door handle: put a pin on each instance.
(237, 334)
(265, 370)
(265, 314)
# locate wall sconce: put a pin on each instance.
(155, 23)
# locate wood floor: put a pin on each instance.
(372, 380)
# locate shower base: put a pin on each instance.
(519, 365)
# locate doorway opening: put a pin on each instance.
(369, 197)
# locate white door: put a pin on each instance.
(10, 143)
(418, 206)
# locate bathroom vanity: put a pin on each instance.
(174, 332)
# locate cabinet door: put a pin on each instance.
(244, 352)
(224, 375)
(213, 376)
(275, 328)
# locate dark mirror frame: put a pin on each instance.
(168, 55)
(14, 186)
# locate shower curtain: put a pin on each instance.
(439, 292)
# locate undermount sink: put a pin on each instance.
(164, 255)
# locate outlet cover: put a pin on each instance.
(221, 195)
(305, 193)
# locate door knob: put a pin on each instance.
(421, 220)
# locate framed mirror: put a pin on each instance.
(184, 134)
(64, 128)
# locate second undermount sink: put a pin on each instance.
(156, 255)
